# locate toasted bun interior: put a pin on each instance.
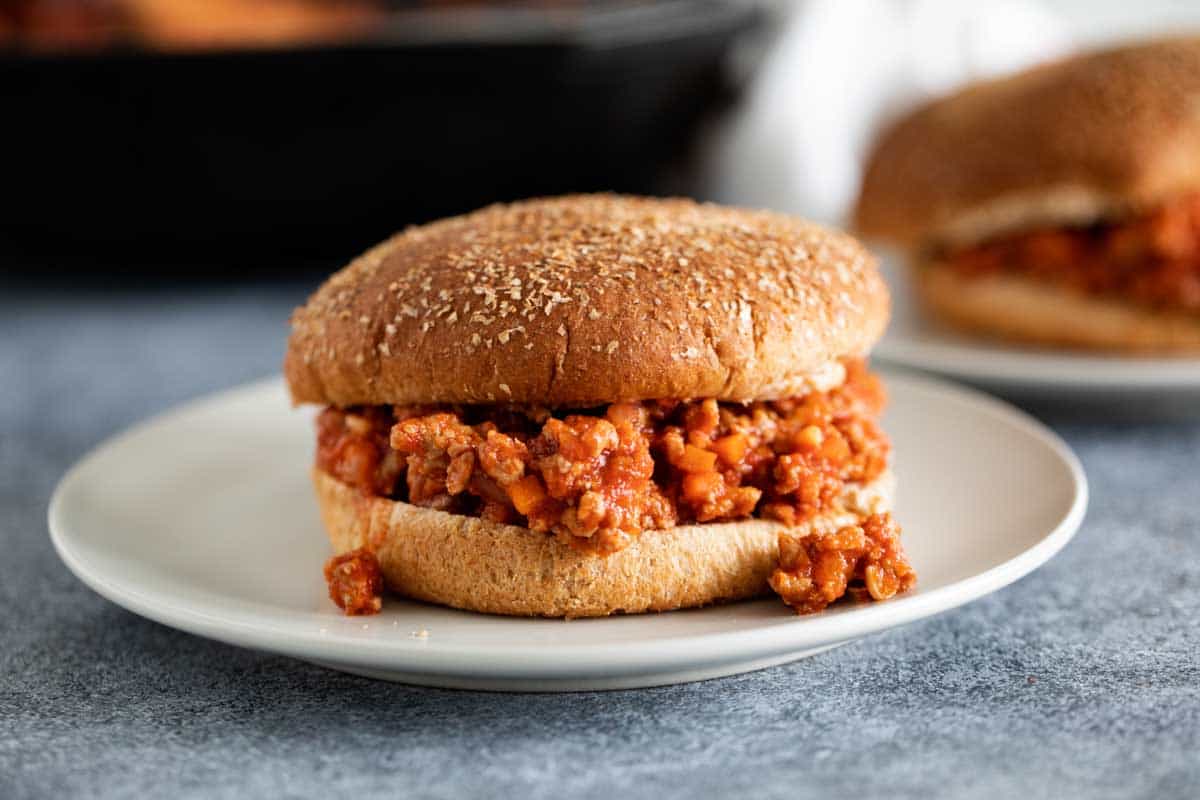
(473, 564)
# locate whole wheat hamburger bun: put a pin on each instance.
(589, 299)
(574, 302)
(471, 563)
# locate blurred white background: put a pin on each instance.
(842, 67)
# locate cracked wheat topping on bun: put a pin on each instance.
(597, 404)
(1060, 205)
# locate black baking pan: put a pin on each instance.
(129, 154)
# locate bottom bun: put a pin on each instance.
(1028, 311)
(471, 563)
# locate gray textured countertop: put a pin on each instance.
(1082, 680)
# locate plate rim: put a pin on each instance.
(580, 660)
(1039, 369)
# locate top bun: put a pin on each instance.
(1068, 143)
(588, 299)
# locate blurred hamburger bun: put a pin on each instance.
(1071, 142)
(1019, 309)
(1099, 139)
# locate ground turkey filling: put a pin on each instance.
(595, 478)
(1152, 259)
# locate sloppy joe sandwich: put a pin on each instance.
(590, 405)
(1060, 205)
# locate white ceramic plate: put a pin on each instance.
(203, 519)
(913, 340)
